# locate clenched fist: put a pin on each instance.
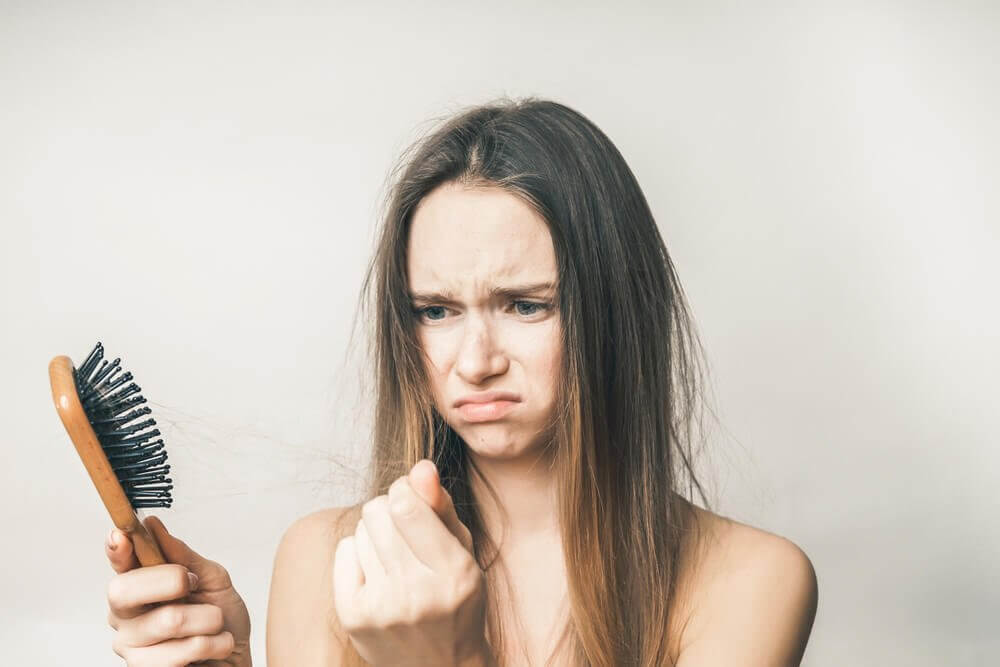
(407, 588)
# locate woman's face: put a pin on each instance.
(482, 275)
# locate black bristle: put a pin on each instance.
(138, 464)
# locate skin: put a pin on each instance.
(407, 588)
(174, 614)
(403, 586)
(464, 244)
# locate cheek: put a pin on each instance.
(552, 364)
(541, 355)
(438, 351)
(436, 357)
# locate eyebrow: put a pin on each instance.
(507, 290)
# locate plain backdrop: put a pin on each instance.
(197, 186)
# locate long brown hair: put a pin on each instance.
(628, 403)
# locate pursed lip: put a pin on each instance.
(487, 397)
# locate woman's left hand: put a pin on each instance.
(407, 588)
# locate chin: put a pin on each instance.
(493, 449)
(495, 441)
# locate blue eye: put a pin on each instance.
(426, 312)
(522, 308)
(533, 307)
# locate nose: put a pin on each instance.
(479, 355)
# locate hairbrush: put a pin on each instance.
(99, 406)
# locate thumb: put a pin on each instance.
(425, 480)
(211, 575)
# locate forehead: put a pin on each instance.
(464, 239)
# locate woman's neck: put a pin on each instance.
(526, 488)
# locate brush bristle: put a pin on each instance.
(111, 402)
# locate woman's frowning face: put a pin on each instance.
(482, 275)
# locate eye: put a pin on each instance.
(522, 308)
(529, 308)
(431, 313)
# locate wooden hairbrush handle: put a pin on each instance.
(73, 417)
(146, 549)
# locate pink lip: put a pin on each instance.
(487, 405)
(484, 412)
(487, 397)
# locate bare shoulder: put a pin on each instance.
(753, 597)
(302, 625)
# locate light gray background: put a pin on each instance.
(196, 185)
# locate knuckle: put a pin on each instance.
(374, 506)
(221, 575)
(399, 484)
(201, 645)
(403, 503)
(216, 620)
(179, 583)
(114, 591)
(368, 509)
(170, 620)
(226, 645)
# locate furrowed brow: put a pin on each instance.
(446, 296)
(520, 290)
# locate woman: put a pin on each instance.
(532, 340)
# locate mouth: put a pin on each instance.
(486, 411)
(487, 397)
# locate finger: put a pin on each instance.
(181, 651)
(118, 549)
(393, 552)
(348, 578)
(424, 479)
(130, 591)
(212, 577)
(370, 564)
(170, 621)
(423, 530)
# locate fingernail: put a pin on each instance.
(193, 580)
(112, 542)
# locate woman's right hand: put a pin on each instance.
(166, 617)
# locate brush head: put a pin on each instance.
(111, 402)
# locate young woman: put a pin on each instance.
(537, 380)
